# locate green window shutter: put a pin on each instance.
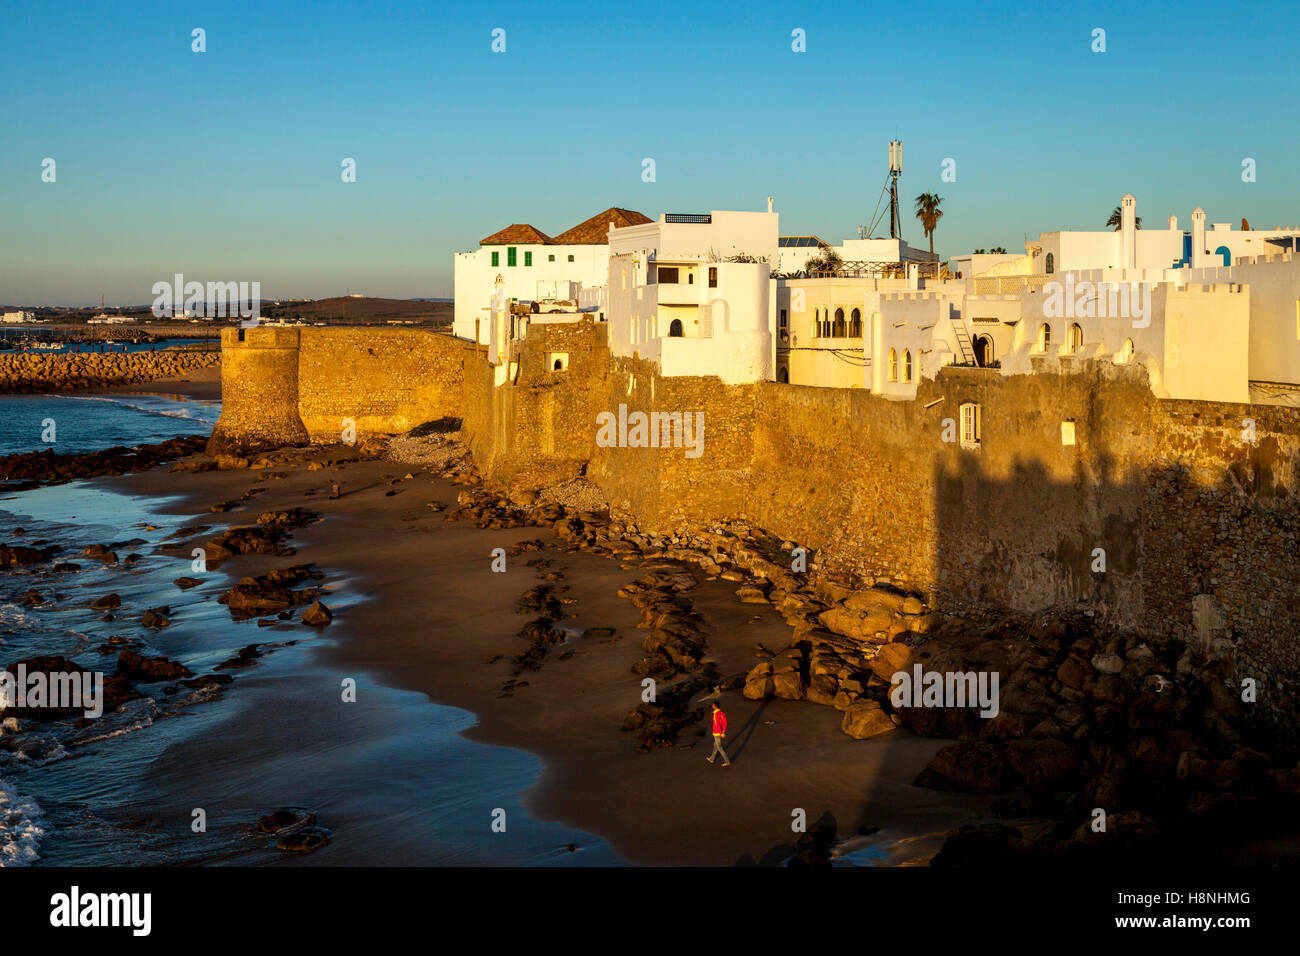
(496, 259)
(510, 255)
(528, 258)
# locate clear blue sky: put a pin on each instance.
(225, 165)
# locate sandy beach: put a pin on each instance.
(423, 611)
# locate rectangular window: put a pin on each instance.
(528, 258)
(713, 277)
(570, 258)
(510, 255)
(496, 259)
(970, 424)
(550, 258)
(667, 274)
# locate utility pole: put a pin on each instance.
(895, 170)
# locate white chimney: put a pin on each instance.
(1173, 223)
(1198, 238)
(1128, 232)
(769, 203)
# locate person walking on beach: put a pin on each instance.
(719, 731)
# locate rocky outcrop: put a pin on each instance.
(35, 467)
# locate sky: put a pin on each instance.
(226, 165)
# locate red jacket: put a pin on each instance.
(719, 723)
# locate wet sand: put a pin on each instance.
(202, 385)
(425, 613)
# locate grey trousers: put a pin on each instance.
(717, 749)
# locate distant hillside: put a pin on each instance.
(367, 311)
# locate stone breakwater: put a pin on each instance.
(24, 372)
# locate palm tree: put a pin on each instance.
(1116, 220)
(827, 260)
(928, 211)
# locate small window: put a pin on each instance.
(510, 255)
(838, 329)
(784, 320)
(713, 284)
(528, 258)
(570, 258)
(1044, 337)
(675, 330)
(1051, 263)
(970, 425)
(496, 259)
(550, 258)
(690, 278)
(907, 365)
(855, 323)
(1076, 338)
(667, 274)
(624, 278)
(893, 365)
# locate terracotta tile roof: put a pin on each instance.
(521, 233)
(595, 231)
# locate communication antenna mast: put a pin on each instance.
(895, 170)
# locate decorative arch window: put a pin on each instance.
(1076, 338)
(1051, 263)
(1126, 352)
(855, 323)
(1044, 337)
(675, 329)
(817, 322)
(839, 331)
(907, 365)
(893, 365)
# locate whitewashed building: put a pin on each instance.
(695, 293)
(523, 264)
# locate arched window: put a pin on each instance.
(893, 365)
(559, 365)
(907, 365)
(675, 330)
(1126, 353)
(1044, 337)
(839, 331)
(983, 350)
(1076, 338)
(855, 323)
(1051, 263)
(817, 322)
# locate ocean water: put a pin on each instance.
(391, 776)
(84, 422)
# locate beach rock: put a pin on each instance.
(20, 554)
(156, 617)
(1045, 765)
(106, 603)
(866, 719)
(303, 839)
(147, 669)
(318, 615)
(286, 818)
(967, 767)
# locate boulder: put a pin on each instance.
(866, 719)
